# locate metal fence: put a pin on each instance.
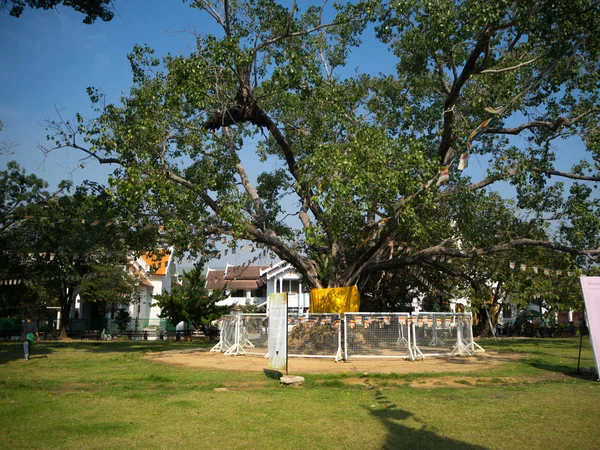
(310, 335)
(443, 334)
(228, 336)
(110, 325)
(242, 334)
(377, 335)
(315, 336)
(254, 337)
(356, 335)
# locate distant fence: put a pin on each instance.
(377, 335)
(439, 334)
(142, 328)
(356, 335)
(309, 335)
(110, 325)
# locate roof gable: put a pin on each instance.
(235, 278)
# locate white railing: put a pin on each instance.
(356, 335)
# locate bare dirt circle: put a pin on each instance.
(204, 359)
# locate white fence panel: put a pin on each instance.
(377, 335)
(227, 334)
(254, 337)
(442, 334)
(357, 335)
(315, 336)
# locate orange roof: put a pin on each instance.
(158, 263)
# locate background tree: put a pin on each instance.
(355, 157)
(19, 195)
(191, 302)
(109, 284)
(5, 146)
(69, 244)
(93, 9)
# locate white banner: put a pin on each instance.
(277, 331)
(591, 296)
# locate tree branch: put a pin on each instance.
(255, 115)
(287, 33)
(572, 176)
(440, 72)
(245, 180)
(507, 69)
(479, 185)
(470, 66)
(553, 126)
(426, 254)
(227, 24)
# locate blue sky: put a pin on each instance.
(50, 57)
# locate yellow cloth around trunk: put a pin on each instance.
(335, 300)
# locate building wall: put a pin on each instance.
(288, 280)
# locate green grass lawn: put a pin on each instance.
(87, 395)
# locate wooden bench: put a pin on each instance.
(198, 336)
(91, 334)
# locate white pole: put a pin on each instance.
(345, 336)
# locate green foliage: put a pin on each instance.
(93, 9)
(107, 283)
(355, 155)
(122, 319)
(191, 302)
(56, 246)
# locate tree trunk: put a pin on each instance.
(66, 301)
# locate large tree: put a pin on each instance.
(355, 157)
(64, 244)
(19, 194)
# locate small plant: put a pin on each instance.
(122, 319)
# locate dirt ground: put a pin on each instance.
(298, 366)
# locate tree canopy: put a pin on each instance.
(93, 9)
(353, 165)
(54, 247)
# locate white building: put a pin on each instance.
(157, 275)
(282, 277)
(251, 285)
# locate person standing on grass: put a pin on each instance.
(28, 328)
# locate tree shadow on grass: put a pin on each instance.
(11, 351)
(404, 437)
(569, 371)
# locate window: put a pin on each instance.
(238, 293)
(262, 292)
